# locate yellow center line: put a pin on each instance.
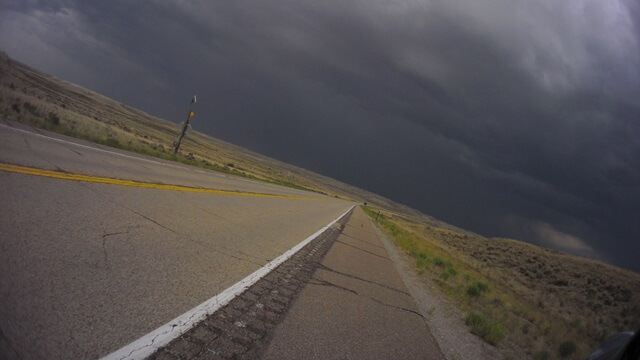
(103, 180)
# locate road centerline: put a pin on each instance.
(133, 183)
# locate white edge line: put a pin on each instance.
(148, 344)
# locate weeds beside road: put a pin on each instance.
(527, 301)
(31, 111)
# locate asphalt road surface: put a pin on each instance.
(86, 268)
(354, 307)
(339, 297)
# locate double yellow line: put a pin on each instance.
(103, 180)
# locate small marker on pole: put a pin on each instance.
(190, 114)
(377, 215)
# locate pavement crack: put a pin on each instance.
(224, 219)
(330, 284)
(151, 220)
(105, 236)
(40, 157)
(147, 345)
(181, 236)
(12, 349)
(76, 152)
(394, 307)
(326, 268)
(104, 247)
(231, 231)
(363, 250)
(366, 242)
(199, 242)
(321, 282)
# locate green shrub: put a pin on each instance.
(473, 291)
(418, 254)
(495, 334)
(30, 108)
(449, 273)
(440, 262)
(113, 142)
(421, 259)
(576, 323)
(541, 355)
(477, 288)
(491, 331)
(53, 118)
(567, 348)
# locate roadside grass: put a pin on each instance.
(477, 289)
(567, 348)
(495, 310)
(60, 120)
(468, 290)
(114, 142)
(492, 331)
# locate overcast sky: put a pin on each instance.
(510, 118)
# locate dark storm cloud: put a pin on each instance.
(509, 118)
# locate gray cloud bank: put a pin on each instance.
(510, 118)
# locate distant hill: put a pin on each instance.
(30, 96)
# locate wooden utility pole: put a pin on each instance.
(184, 126)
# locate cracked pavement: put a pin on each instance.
(87, 268)
(243, 328)
(347, 304)
(355, 307)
